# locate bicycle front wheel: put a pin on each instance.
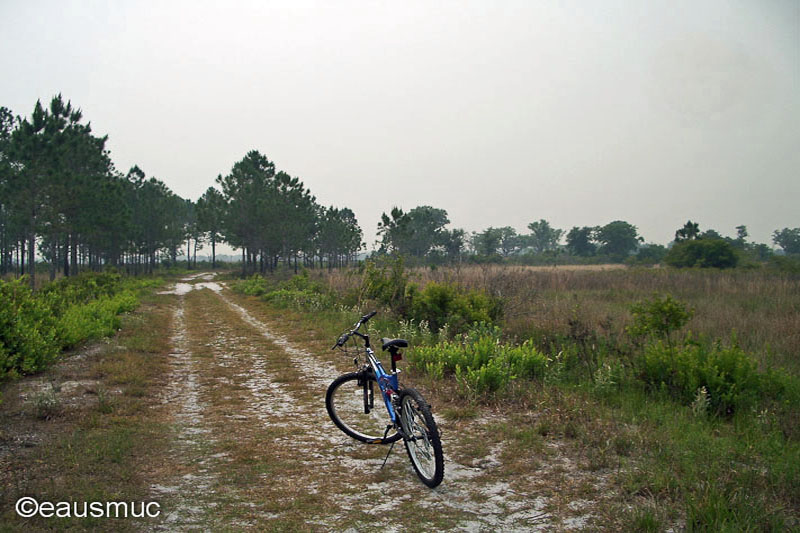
(349, 406)
(421, 437)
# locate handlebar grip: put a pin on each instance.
(368, 316)
(341, 341)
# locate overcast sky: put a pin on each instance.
(499, 112)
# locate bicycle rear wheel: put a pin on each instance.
(423, 444)
(345, 402)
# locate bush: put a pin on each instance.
(306, 299)
(34, 328)
(28, 339)
(299, 292)
(660, 316)
(703, 253)
(442, 303)
(385, 281)
(649, 254)
(728, 374)
(94, 320)
(786, 264)
(481, 362)
(254, 286)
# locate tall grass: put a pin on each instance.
(762, 308)
(700, 409)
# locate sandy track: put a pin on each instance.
(252, 439)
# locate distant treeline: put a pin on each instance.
(421, 235)
(61, 196)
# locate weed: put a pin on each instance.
(47, 405)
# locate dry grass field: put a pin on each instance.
(761, 309)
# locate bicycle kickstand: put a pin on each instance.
(390, 447)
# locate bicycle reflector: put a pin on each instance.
(396, 356)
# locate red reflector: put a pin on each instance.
(397, 356)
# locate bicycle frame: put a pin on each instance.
(387, 382)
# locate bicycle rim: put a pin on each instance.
(422, 439)
(345, 404)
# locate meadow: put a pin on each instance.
(684, 383)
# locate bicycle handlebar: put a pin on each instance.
(346, 336)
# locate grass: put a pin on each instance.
(761, 307)
(668, 464)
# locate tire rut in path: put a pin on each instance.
(473, 505)
(254, 443)
(191, 435)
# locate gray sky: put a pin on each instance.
(500, 112)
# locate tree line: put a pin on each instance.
(62, 202)
(421, 233)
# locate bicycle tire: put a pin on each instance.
(421, 437)
(344, 401)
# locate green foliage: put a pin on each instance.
(703, 253)
(385, 281)
(788, 240)
(617, 239)
(299, 292)
(660, 317)
(688, 232)
(481, 362)
(96, 319)
(728, 374)
(649, 254)
(414, 233)
(253, 286)
(579, 241)
(543, 237)
(785, 264)
(306, 299)
(35, 328)
(28, 335)
(443, 303)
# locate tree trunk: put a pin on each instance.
(66, 255)
(213, 254)
(74, 255)
(32, 258)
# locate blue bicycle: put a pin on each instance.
(350, 401)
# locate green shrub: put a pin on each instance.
(729, 375)
(481, 361)
(299, 292)
(385, 281)
(703, 253)
(95, 319)
(787, 264)
(443, 303)
(660, 317)
(305, 299)
(254, 286)
(28, 340)
(34, 328)
(649, 254)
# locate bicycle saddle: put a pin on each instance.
(393, 343)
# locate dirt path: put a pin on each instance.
(252, 446)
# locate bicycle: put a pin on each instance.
(350, 401)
